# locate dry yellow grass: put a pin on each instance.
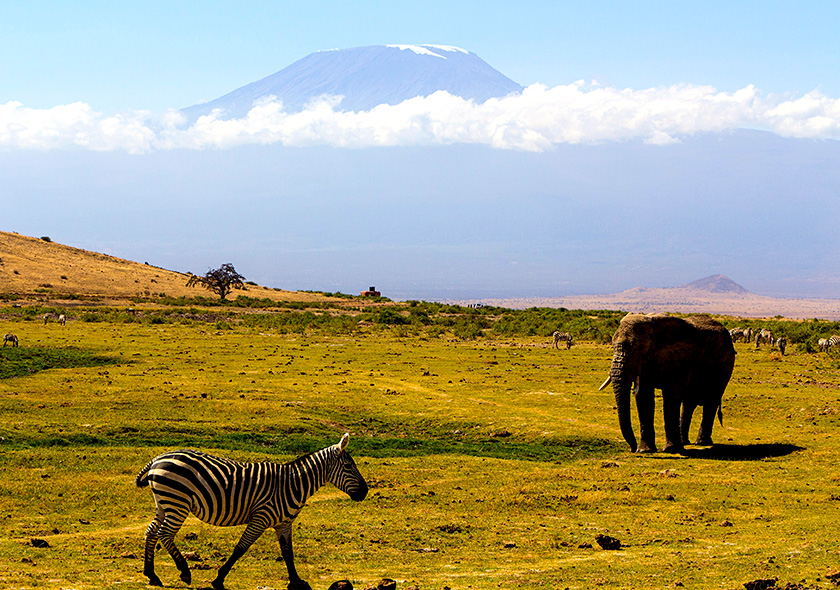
(30, 266)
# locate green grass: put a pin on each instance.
(493, 462)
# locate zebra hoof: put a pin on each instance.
(299, 585)
(218, 584)
(186, 576)
(154, 581)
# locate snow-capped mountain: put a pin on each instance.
(367, 77)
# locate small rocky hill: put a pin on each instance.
(716, 284)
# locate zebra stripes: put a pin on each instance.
(834, 340)
(736, 334)
(562, 337)
(223, 492)
(764, 335)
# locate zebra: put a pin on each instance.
(562, 337)
(781, 343)
(12, 339)
(737, 334)
(748, 334)
(764, 336)
(223, 492)
(834, 340)
(823, 344)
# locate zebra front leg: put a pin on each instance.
(252, 532)
(284, 537)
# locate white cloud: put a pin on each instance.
(534, 120)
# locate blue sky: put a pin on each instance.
(157, 55)
(655, 143)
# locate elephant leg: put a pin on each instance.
(685, 421)
(704, 437)
(671, 410)
(646, 404)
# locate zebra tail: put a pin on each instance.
(142, 479)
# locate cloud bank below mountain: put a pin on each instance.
(534, 120)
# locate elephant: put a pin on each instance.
(690, 360)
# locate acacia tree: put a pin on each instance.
(219, 280)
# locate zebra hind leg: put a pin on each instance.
(166, 534)
(149, 551)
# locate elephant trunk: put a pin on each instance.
(621, 382)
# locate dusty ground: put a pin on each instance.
(687, 301)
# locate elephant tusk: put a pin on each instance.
(605, 383)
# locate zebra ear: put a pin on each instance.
(343, 443)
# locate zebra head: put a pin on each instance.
(344, 474)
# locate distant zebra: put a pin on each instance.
(764, 336)
(61, 319)
(781, 344)
(46, 318)
(748, 334)
(823, 344)
(223, 492)
(737, 334)
(562, 337)
(10, 338)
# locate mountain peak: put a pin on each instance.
(716, 284)
(365, 77)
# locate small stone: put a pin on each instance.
(40, 543)
(608, 543)
(386, 584)
(341, 585)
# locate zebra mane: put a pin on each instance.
(304, 458)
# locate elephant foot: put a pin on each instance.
(675, 449)
(646, 448)
(704, 441)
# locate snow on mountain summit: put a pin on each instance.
(366, 77)
(430, 49)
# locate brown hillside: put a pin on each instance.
(31, 266)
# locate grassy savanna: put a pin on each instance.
(493, 462)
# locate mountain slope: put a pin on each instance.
(34, 266)
(367, 77)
